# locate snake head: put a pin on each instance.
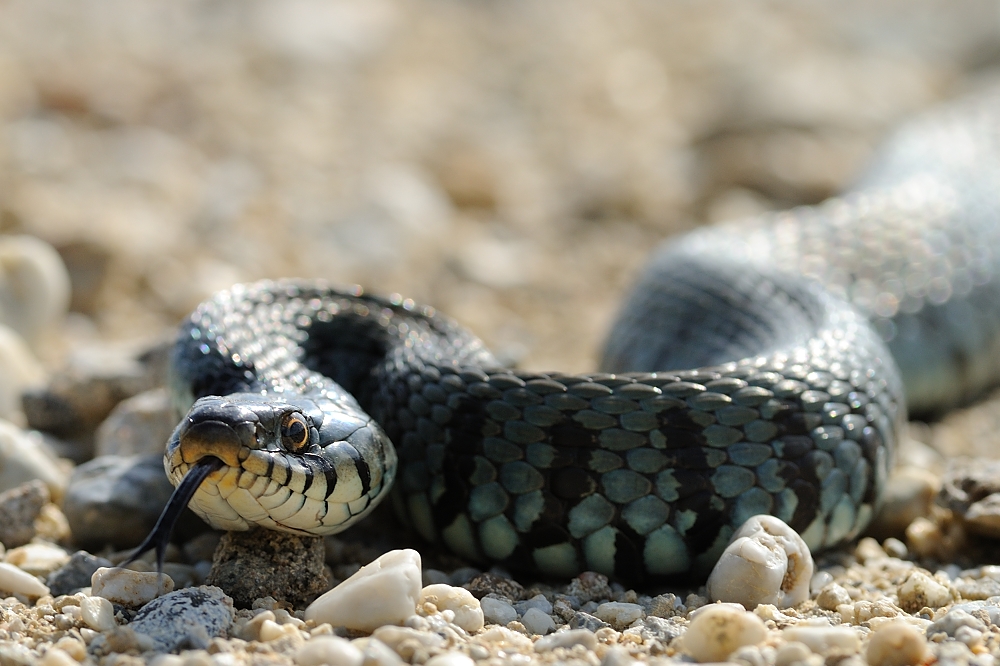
(291, 463)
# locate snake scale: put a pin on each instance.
(765, 366)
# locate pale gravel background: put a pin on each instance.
(511, 163)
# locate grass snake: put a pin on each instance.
(801, 338)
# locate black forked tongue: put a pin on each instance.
(160, 536)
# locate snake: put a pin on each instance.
(764, 366)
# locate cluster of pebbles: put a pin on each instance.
(510, 163)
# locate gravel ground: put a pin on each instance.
(509, 163)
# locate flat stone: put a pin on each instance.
(38, 559)
(383, 592)
(265, 563)
(467, 609)
(567, 639)
(185, 619)
(19, 507)
(497, 611)
(538, 622)
(619, 615)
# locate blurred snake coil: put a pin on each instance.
(760, 366)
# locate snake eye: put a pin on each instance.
(294, 432)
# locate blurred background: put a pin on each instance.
(511, 163)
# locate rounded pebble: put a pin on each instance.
(717, 630)
(328, 650)
(19, 508)
(38, 559)
(896, 643)
(537, 621)
(468, 611)
(383, 592)
(187, 618)
(129, 588)
(619, 615)
(23, 458)
(567, 639)
(822, 639)
(497, 611)
(766, 562)
(450, 659)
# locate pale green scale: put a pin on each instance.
(519, 477)
(527, 509)
(522, 432)
(667, 485)
(647, 461)
(599, 550)
(604, 461)
(623, 485)
(767, 475)
(557, 560)
(752, 502)
(785, 504)
(736, 415)
(749, 454)
(616, 439)
(594, 420)
(540, 454)
(498, 537)
(731, 480)
(592, 513)
(665, 552)
(646, 514)
(639, 421)
(720, 436)
(486, 501)
(833, 487)
(760, 430)
(613, 404)
(500, 450)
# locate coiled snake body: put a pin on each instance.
(787, 400)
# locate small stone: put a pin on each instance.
(463, 575)
(383, 592)
(377, 653)
(468, 611)
(98, 613)
(13, 580)
(185, 619)
(497, 611)
(450, 659)
(868, 549)
(538, 622)
(56, 657)
(38, 559)
(140, 425)
(266, 563)
(407, 642)
(24, 458)
(328, 650)
(792, 652)
(619, 615)
(116, 500)
(34, 285)
(953, 620)
(581, 620)
(896, 643)
(618, 656)
(589, 586)
(823, 639)
(19, 507)
(716, 631)
(831, 596)
(130, 588)
(538, 601)
(766, 562)
(658, 629)
(76, 573)
(920, 590)
(488, 583)
(909, 495)
(567, 639)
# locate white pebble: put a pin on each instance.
(16, 581)
(34, 285)
(537, 622)
(791, 653)
(129, 588)
(38, 559)
(467, 609)
(766, 562)
(25, 458)
(377, 653)
(896, 643)
(56, 657)
(567, 639)
(619, 615)
(328, 650)
(98, 613)
(497, 611)
(383, 592)
(450, 659)
(716, 631)
(20, 371)
(920, 590)
(822, 639)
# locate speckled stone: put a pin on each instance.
(187, 618)
(264, 563)
(19, 507)
(76, 573)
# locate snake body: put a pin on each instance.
(788, 401)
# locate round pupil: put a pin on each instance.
(295, 430)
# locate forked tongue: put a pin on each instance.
(159, 537)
